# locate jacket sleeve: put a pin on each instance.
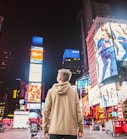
(46, 112)
(79, 114)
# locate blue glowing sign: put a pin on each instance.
(38, 41)
(71, 53)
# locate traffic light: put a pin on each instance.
(125, 109)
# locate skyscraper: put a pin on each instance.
(6, 60)
(91, 9)
(6, 67)
(71, 60)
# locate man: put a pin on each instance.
(63, 109)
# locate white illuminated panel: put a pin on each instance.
(33, 106)
(36, 54)
(35, 73)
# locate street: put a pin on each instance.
(25, 134)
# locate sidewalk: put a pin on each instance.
(101, 135)
(25, 134)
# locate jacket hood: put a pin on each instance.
(61, 88)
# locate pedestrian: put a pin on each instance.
(62, 116)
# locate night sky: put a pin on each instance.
(56, 21)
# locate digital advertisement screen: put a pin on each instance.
(106, 66)
(94, 96)
(105, 53)
(119, 35)
(103, 38)
(36, 55)
(85, 104)
(108, 95)
(83, 83)
(35, 73)
(34, 92)
(121, 88)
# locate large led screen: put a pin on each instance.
(94, 96)
(121, 91)
(36, 54)
(108, 95)
(105, 53)
(83, 83)
(119, 35)
(35, 73)
(34, 92)
(106, 67)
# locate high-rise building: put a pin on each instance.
(71, 60)
(91, 9)
(106, 46)
(6, 60)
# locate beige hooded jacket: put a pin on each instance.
(63, 109)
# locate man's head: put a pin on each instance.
(63, 75)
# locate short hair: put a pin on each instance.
(65, 74)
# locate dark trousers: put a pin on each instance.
(52, 136)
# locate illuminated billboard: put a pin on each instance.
(108, 95)
(36, 40)
(121, 88)
(34, 92)
(33, 106)
(105, 53)
(84, 83)
(71, 53)
(119, 35)
(85, 106)
(35, 73)
(106, 67)
(36, 55)
(94, 96)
